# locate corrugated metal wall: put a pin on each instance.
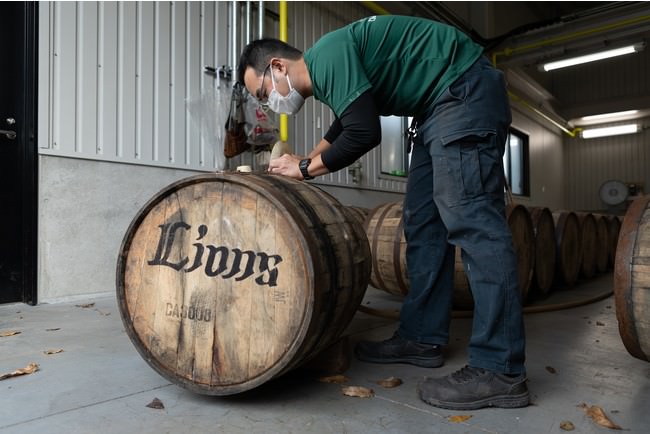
(116, 75)
(614, 85)
(592, 162)
(546, 160)
(119, 75)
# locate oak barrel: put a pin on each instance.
(463, 298)
(632, 279)
(359, 213)
(613, 230)
(226, 280)
(544, 270)
(523, 240)
(588, 244)
(567, 245)
(602, 242)
(385, 231)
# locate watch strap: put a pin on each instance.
(304, 168)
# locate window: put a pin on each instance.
(515, 163)
(394, 145)
(395, 156)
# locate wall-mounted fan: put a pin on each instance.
(613, 192)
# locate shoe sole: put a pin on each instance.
(501, 401)
(423, 362)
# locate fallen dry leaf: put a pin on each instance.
(336, 379)
(358, 391)
(9, 333)
(53, 330)
(459, 418)
(29, 369)
(551, 369)
(85, 306)
(390, 382)
(156, 403)
(597, 414)
(57, 351)
(567, 425)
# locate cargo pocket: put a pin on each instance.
(478, 162)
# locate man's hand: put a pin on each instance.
(286, 165)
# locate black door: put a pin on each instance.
(18, 152)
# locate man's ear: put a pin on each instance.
(278, 64)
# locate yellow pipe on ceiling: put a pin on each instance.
(375, 8)
(572, 133)
(509, 51)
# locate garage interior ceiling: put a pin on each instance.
(555, 30)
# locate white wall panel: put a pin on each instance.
(115, 78)
(118, 76)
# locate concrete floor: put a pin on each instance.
(100, 384)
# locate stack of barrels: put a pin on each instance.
(554, 249)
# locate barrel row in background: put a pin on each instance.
(554, 249)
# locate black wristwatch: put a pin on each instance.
(304, 166)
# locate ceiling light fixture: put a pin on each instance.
(634, 48)
(610, 131)
(606, 116)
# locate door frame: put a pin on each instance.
(29, 155)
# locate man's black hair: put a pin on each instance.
(259, 53)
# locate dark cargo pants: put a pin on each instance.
(455, 197)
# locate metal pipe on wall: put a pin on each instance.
(234, 40)
(260, 18)
(248, 22)
(284, 119)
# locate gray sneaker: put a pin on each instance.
(473, 388)
(398, 350)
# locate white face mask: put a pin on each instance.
(289, 104)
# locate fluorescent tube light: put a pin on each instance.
(593, 57)
(610, 131)
(606, 116)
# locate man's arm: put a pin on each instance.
(359, 132)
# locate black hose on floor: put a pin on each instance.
(394, 314)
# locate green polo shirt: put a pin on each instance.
(407, 63)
